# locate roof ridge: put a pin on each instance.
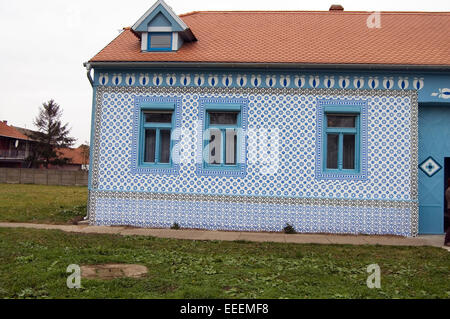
(315, 12)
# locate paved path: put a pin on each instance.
(431, 240)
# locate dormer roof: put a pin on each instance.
(161, 15)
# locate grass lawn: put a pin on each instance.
(33, 265)
(41, 203)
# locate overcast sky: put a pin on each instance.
(45, 42)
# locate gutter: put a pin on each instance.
(298, 66)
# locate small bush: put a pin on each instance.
(75, 211)
(289, 229)
(175, 226)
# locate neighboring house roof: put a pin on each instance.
(10, 131)
(25, 131)
(303, 37)
(77, 155)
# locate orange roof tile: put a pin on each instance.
(77, 155)
(9, 131)
(336, 37)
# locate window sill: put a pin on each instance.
(169, 169)
(210, 170)
(341, 174)
(159, 50)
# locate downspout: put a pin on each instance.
(88, 67)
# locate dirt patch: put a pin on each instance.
(111, 271)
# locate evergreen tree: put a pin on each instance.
(51, 135)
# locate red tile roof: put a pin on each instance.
(9, 131)
(337, 37)
(78, 155)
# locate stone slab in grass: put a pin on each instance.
(112, 271)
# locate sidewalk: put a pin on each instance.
(429, 240)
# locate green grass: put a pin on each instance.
(33, 265)
(41, 203)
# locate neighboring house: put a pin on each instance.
(78, 158)
(14, 146)
(334, 122)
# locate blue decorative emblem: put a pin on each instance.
(329, 81)
(443, 93)
(358, 82)
(430, 166)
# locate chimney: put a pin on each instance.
(336, 7)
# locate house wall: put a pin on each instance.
(10, 155)
(284, 185)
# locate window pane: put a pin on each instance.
(349, 152)
(341, 120)
(332, 151)
(223, 117)
(160, 41)
(158, 117)
(164, 153)
(231, 147)
(150, 142)
(215, 140)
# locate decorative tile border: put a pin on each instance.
(253, 213)
(258, 80)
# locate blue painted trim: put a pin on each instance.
(341, 132)
(150, 49)
(347, 106)
(225, 104)
(223, 128)
(157, 127)
(137, 149)
(161, 106)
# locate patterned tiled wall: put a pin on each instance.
(280, 186)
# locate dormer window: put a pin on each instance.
(160, 29)
(158, 41)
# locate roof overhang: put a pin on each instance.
(243, 65)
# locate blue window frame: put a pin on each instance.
(155, 164)
(156, 142)
(341, 148)
(222, 142)
(341, 140)
(159, 41)
(226, 119)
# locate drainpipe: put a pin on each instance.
(88, 69)
(89, 76)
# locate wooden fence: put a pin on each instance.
(43, 176)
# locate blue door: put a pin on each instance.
(434, 147)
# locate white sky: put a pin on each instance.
(44, 43)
